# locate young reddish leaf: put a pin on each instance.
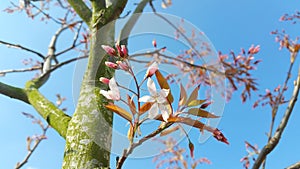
(203, 106)
(219, 136)
(131, 105)
(194, 95)
(183, 96)
(191, 147)
(130, 133)
(169, 131)
(123, 113)
(195, 103)
(164, 85)
(145, 107)
(201, 113)
(189, 121)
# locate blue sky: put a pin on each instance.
(229, 24)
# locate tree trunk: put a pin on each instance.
(88, 139)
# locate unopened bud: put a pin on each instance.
(123, 65)
(109, 50)
(104, 80)
(111, 65)
(124, 51)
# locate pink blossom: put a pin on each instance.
(119, 50)
(111, 65)
(123, 65)
(253, 50)
(104, 80)
(124, 51)
(151, 70)
(109, 50)
(113, 93)
(154, 43)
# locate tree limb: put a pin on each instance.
(123, 37)
(82, 10)
(13, 92)
(22, 48)
(55, 117)
(277, 135)
(294, 166)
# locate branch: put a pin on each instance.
(128, 151)
(22, 48)
(13, 92)
(52, 48)
(4, 72)
(294, 166)
(277, 135)
(73, 44)
(62, 64)
(31, 150)
(55, 117)
(123, 37)
(82, 10)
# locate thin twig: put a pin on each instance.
(22, 48)
(130, 149)
(3, 72)
(46, 15)
(63, 63)
(294, 166)
(31, 150)
(74, 45)
(277, 135)
(277, 103)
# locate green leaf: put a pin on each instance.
(194, 95)
(195, 103)
(164, 85)
(183, 96)
(123, 113)
(201, 113)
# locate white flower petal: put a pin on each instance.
(146, 99)
(151, 87)
(164, 92)
(105, 94)
(153, 112)
(164, 111)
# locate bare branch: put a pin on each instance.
(52, 47)
(278, 102)
(82, 10)
(62, 64)
(294, 166)
(74, 45)
(46, 15)
(22, 48)
(13, 92)
(31, 150)
(3, 72)
(123, 37)
(277, 135)
(130, 149)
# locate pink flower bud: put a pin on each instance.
(109, 50)
(104, 80)
(151, 70)
(124, 51)
(154, 43)
(123, 65)
(119, 50)
(111, 65)
(253, 50)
